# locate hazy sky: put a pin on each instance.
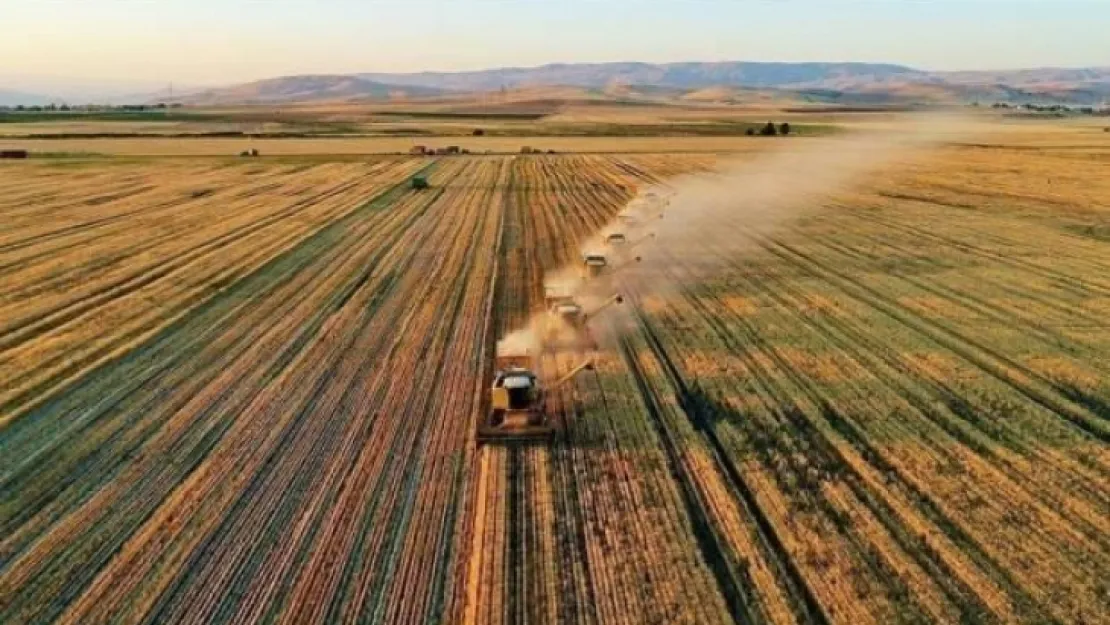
(220, 41)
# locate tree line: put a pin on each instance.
(89, 108)
(770, 130)
(1051, 108)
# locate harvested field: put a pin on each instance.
(872, 415)
(246, 391)
(151, 146)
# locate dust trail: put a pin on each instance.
(690, 228)
(521, 341)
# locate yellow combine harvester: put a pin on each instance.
(596, 265)
(518, 410)
(565, 326)
(621, 244)
(637, 210)
(593, 265)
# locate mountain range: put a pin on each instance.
(675, 75)
(29, 90)
(736, 82)
(844, 83)
(309, 88)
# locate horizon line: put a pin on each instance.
(197, 84)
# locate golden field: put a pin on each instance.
(246, 390)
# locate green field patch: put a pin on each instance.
(157, 115)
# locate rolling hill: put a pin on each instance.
(306, 88)
(730, 82)
(850, 82)
(677, 75)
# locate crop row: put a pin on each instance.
(891, 410)
(88, 281)
(592, 529)
(277, 451)
(241, 392)
(247, 392)
(873, 389)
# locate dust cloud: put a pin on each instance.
(712, 217)
(696, 224)
(521, 341)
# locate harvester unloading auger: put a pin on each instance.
(518, 408)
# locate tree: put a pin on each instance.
(750, 132)
(478, 132)
(784, 128)
(769, 130)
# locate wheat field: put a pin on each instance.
(246, 390)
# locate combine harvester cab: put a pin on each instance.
(569, 313)
(593, 265)
(564, 322)
(567, 325)
(518, 403)
(559, 294)
(517, 407)
(562, 309)
(622, 248)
